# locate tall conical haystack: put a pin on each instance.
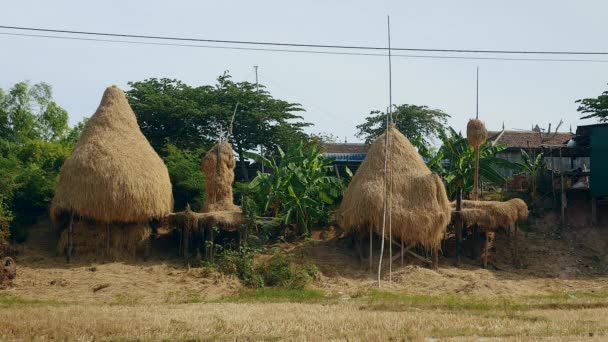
(420, 207)
(113, 174)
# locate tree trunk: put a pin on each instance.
(243, 163)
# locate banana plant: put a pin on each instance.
(533, 168)
(459, 171)
(299, 187)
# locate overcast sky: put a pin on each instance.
(337, 91)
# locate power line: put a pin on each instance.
(540, 59)
(243, 42)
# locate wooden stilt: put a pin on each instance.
(211, 244)
(515, 244)
(70, 238)
(108, 239)
(436, 259)
(148, 247)
(185, 237)
(402, 253)
(458, 226)
(371, 250)
(593, 211)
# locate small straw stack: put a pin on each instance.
(476, 135)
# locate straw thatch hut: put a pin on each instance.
(113, 178)
(420, 210)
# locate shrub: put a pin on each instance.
(186, 177)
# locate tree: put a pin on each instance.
(169, 111)
(594, 107)
(28, 112)
(33, 146)
(417, 123)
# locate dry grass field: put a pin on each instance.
(560, 292)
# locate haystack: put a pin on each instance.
(476, 132)
(420, 207)
(219, 209)
(492, 215)
(113, 175)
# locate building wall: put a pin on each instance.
(599, 161)
(553, 163)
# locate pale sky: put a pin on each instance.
(337, 91)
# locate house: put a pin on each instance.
(349, 155)
(534, 142)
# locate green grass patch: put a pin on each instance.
(278, 295)
(12, 301)
(403, 301)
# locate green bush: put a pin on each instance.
(277, 271)
(186, 177)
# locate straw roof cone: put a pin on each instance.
(476, 132)
(113, 174)
(420, 207)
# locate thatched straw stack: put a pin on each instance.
(113, 175)
(420, 207)
(219, 209)
(476, 132)
(92, 238)
(492, 215)
(218, 167)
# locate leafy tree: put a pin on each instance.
(458, 172)
(28, 112)
(186, 177)
(417, 123)
(170, 111)
(594, 107)
(300, 188)
(33, 147)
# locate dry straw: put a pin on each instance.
(476, 133)
(219, 209)
(218, 167)
(420, 208)
(492, 215)
(91, 238)
(113, 174)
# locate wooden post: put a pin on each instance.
(185, 237)
(563, 196)
(515, 243)
(402, 253)
(371, 251)
(593, 211)
(148, 247)
(70, 237)
(108, 239)
(458, 226)
(436, 258)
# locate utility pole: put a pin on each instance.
(257, 89)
